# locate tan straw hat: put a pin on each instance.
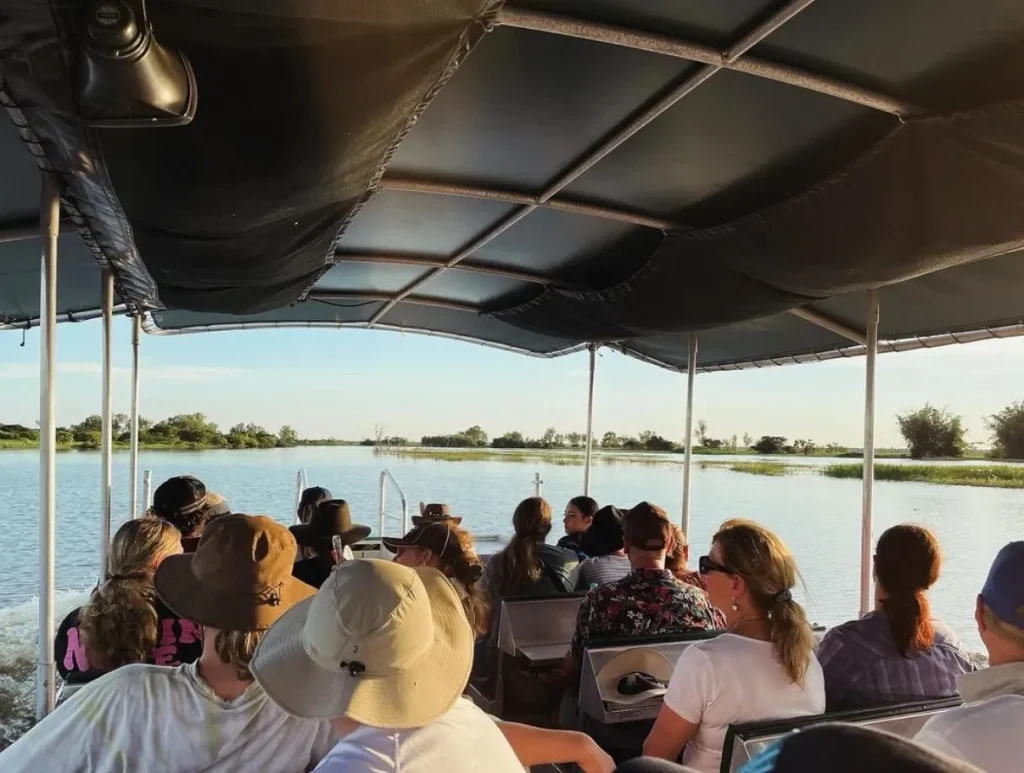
(239, 578)
(380, 643)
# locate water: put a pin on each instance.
(818, 517)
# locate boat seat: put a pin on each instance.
(744, 741)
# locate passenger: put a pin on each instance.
(578, 518)
(384, 652)
(527, 565)
(182, 501)
(330, 519)
(216, 505)
(646, 602)
(124, 622)
(987, 731)
(309, 500)
(762, 668)
(205, 716)
(444, 546)
(608, 561)
(897, 653)
(677, 561)
(435, 512)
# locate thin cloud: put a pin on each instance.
(10, 371)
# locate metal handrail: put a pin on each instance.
(301, 484)
(386, 476)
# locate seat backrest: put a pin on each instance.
(530, 621)
(744, 741)
(601, 650)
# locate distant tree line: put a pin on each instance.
(190, 430)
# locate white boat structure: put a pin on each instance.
(704, 186)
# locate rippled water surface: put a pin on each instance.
(818, 517)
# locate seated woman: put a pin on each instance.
(124, 622)
(527, 565)
(763, 667)
(604, 544)
(445, 546)
(897, 653)
(578, 518)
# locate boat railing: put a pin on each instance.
(301, 484)
(147, 491)
(383, 514)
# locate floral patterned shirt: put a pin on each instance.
(646, 602)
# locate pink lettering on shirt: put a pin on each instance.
(167, 638)
(74, 655)
(166, 656)
(190, 632)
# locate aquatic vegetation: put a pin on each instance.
(991, 475)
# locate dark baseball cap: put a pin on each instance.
(1004, 589)
(647, 527)
(180, 495)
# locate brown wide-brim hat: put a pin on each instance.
(239, 578)
(330, 519)
(435, 512)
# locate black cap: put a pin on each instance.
(180, 495)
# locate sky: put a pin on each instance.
(341, 383)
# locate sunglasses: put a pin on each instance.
(707, 565)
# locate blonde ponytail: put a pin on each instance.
(756, 553)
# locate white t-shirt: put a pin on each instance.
(986, 734)
(465, 740)
(731, 679)
(167, 720)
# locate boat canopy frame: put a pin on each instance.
(702, 186)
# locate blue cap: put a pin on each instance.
(1004, 589)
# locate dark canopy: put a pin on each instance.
(544, 174)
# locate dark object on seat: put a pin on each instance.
(125, 79)
(636, 683)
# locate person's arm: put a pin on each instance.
(669, 735)
(539, 746)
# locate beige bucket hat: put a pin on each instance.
(380, 643)
(638, 660)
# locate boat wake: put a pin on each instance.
(18, 642)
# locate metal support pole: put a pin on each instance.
(50, 229)
(866, 594)
(590, 422)
(538, 484)
(147, 489)
(133, 451)
(691, 374)
(107, 436)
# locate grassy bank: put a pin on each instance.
(761, 468)
(994, 476)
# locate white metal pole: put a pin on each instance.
(537, 484)
(147, 489)
(590, 422)
(300, 485)
(50, 229)
(866, 594)
(133, 451)
(107, 436)
(691, 373)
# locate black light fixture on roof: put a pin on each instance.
(123, 78)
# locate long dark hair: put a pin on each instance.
(587, 506)
(604, 536)
(907, 563)
(532, 523)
